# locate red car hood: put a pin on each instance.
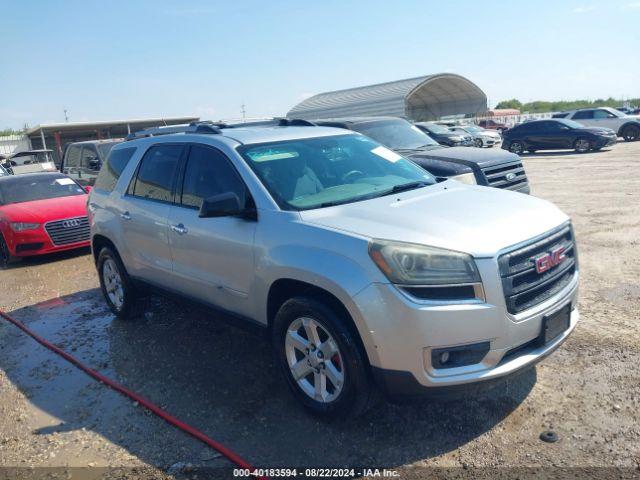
(42, 211)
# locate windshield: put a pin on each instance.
(472, 129)
(318, 172)
(435, 128)
(396, 134)
(26, 188)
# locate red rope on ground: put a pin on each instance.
(194, 432)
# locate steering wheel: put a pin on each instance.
(351, 176)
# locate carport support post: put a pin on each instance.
(56, 137)
(44, 143)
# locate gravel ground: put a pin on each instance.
(220, 379)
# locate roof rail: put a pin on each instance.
(273, 122)
(193, 127)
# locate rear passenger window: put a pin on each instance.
(157, 173)
(583, 115)
(73, 157)
(208, 173)
(113, 167)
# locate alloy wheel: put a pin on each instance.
(516, 147)
(314, 360)
(478, 142)
(582, 145)
(113, 283)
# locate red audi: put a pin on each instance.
(41, 213)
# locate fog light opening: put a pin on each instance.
(444, 357)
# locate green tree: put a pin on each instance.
(513, 103)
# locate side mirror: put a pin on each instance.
(226, 204)
(88, 188)
(94, 163)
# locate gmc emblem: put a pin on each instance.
(549, 260)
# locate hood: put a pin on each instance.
(42, 211)
(480, 221)
(489, 133)
(467, 156)
(596, 130)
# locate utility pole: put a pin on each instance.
(66, 117)
(244, 112)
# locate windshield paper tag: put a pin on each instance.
(65, 181)
(386, 154)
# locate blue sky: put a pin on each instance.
(105, 60)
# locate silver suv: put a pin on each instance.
(362, 267)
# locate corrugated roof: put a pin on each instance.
(420, 98)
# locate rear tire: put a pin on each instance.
(631, 133)
(516, 147)
(117, 288)
(313, 340)
(582, 145)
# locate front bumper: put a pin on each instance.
(606, 141)
(36, 242)
(490, 142)
(403, 332)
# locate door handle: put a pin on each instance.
(126, 216)
(180, 229)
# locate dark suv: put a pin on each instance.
(82, 160)
(469, 165)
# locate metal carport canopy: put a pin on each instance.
(422, 98)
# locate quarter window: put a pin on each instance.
(157, 173)
(208, 173)
(603, 114)
(113, 167)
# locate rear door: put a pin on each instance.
(212, 257)
(585, 117)
(557, 135)
(144, 211)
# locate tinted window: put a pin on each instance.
(157, 173)
(105, 148)
(26, 188)
(603, 114)
(560, 115)
(73, 157)
(398, 134)
(583, 115)
(208, 173)
(113, 167)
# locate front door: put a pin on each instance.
(212, 257)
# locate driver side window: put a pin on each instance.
(208, 173)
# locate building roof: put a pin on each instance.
(422, 98)
(134, 124)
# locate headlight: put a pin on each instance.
(412, 264)
(20, 226)
(468, 178)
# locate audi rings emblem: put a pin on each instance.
(71, 223)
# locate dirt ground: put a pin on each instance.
(222, 380)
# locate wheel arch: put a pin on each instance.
(625, 125)
(283, 289)
(98, 242)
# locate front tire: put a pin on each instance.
(582, 145)
(631, 133)
(117, 288)
(320, 359)
(516, 147)
(477, 143)
(5, 255)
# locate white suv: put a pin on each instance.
(626, 126)
(361, 266)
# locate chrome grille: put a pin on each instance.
(68, 230)
(523, 286)
(507, 175)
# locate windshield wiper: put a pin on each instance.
(407, 186)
